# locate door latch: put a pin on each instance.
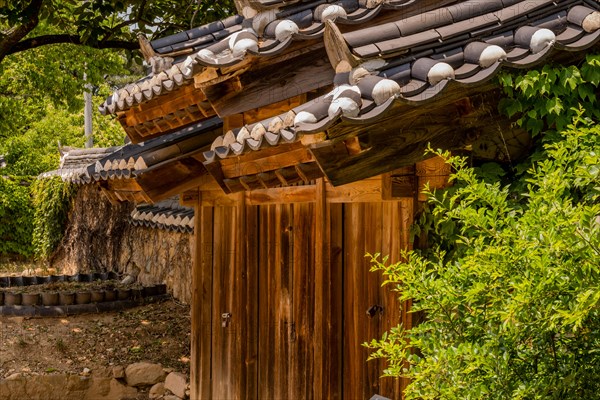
(374, 309)
(225, 319)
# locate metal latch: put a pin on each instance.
(374, 309)
(225, 319)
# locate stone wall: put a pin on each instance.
(99, 238)
(138, 380)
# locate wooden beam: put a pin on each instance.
(434, 173)
(368, 190)
(172, 178)
(110, 196)
(201, 307)
(209, 78)
(277, 108)
(124, 184)
(169, 103)
(236, 167)
(189, 198)
(322, 291)
(273, 83)
(214, 168)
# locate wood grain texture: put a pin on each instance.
(274, 83)
(297, 285)
(226, 366)
(202, 294)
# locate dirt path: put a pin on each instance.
(156, 332)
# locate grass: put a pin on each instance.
(60, 345)
(22, 342)
(8, 266)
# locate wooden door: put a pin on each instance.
(369, 309)
(295, 286)
(234, 304)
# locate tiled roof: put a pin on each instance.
(270, 32)
(134, 159)
(83, 166)
(74, 164)
(176, 71)
(227, 42)
(166, 214)
(147, 88)
(413, 60)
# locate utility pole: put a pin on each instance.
(87, 114)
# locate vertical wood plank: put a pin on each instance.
(201, 310)
(284, 356)
(302, 325)
(373, 222)
(275, 304)
(250, 334)
(321, 292)
(266, 328)
(391, 245)
(408, 209)
(334, 343)
(360, 378)
(227, 370)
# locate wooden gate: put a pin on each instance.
(283, 298)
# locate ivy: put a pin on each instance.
(52, 201)
(547, 99)
(16, 214)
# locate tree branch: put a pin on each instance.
(73, 39)
(31, 16)
(117, 27)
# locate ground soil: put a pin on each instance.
(157, 332)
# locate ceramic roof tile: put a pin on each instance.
(405, 73)
(266, 33)
(89, 165)
(74, 163)
(167, 214)
(513, 26)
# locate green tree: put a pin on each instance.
(510, 286)
(41, 103)
(99, 23)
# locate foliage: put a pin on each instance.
(510, 283)
(547, 99)
(99, 23)
(513, 309)
(15, 217)
(52, 202)
(41, 98)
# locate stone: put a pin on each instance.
(13, 377)
(143, 374)
(157, 391)
(109, 389)
(176, 382)
(128, 280)
(171, 397)
(118, 372)
(99, 390)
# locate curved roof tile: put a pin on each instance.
(84, 166)
(227, 42)
(166, 214)
(415, 69)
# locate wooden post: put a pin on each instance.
(201, 353)
(325, 364)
